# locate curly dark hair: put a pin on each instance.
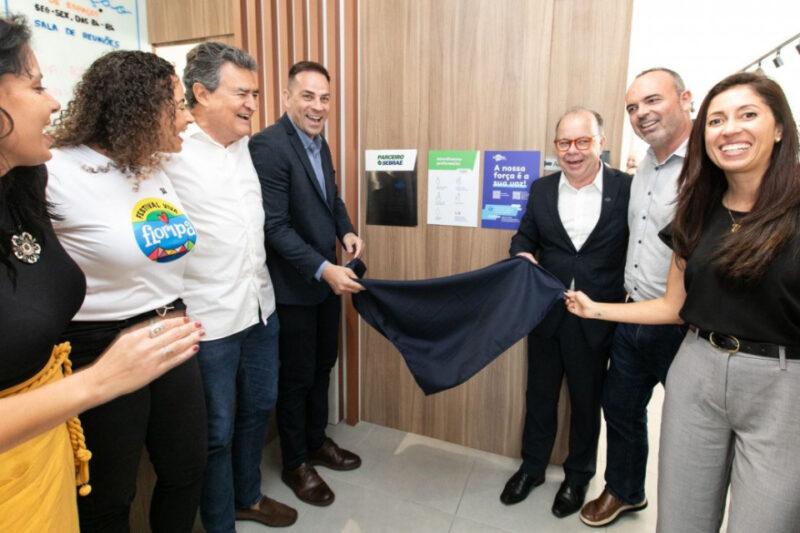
(118, 106)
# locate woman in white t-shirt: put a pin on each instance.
(122, 222)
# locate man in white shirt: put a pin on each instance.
(575, 226)
(658, 106)
(227, 285)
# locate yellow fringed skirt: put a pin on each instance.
(38, 477)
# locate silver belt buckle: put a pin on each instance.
(718, 347)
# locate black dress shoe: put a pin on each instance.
(519, 486)
(569, 499)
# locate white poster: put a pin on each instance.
(389, 160)
(69, 34)
(453, 188)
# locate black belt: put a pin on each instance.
(732, 344)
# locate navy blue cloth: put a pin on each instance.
(448, 329)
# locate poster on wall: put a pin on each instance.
(453, 188)
(391, 187)
(69, 34)
(507, 178)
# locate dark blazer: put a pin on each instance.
(598, 267)
(301, 225)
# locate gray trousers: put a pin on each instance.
(729, 420)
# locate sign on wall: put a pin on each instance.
(69, 34)
(453, 187)
(507, 178)
(391, 187)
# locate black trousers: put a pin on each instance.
(549, 359)
(308, 349)
(168, 416)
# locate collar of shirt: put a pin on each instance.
(597, 182)
(91, 156)
(311, 144)
(196, 132)
(680, 151)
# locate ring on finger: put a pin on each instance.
(156, 329)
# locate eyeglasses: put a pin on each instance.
(581, 143)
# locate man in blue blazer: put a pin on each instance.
(304, 219)
(575, 226)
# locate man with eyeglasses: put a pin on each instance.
(575, 226)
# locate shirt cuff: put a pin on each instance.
(318, 275)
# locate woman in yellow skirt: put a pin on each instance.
(42, 450)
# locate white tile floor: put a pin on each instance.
(417, 484)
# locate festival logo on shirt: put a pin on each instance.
(163, 233)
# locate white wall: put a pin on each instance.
(175, 54)
(60, 28)
(705, 40)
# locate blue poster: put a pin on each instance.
(507, 177)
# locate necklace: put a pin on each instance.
(24, 245)
(734, 225)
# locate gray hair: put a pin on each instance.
(204, 61)
(580, 109)
(676, 78)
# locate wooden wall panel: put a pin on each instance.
(589, 64)
(350, 192)
(449, 74)
(173, 21)
(472, 74)
(314, 24)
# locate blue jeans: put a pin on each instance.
(240, 379)
(640, 358)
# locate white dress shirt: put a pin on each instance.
(579, 209)
(226, 281)
(651, 208)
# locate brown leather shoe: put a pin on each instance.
(333, 457)
(308, 486)
(271, 513)
(607, 508)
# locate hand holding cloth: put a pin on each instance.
(448, 329)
